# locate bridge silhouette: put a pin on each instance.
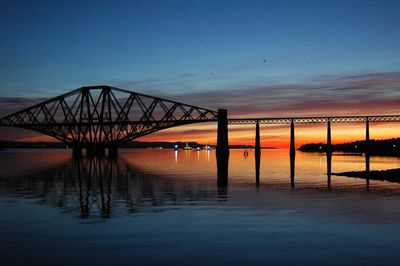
(97, 118)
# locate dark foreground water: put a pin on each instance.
(164, 207)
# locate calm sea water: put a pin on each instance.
(164, 207)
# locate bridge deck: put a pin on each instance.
(315, 120)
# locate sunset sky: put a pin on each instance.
(255, 58)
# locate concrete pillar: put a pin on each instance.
(222, 151)
(367, 148)
(328, 139)
(367, 151)
(292, 154)
(222, 134)
(258, 145)
(292, 144)
(257, 153)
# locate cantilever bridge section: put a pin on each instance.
(100, 117)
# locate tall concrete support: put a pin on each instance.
(222, 151)
(329, 153)
(367, 151)
(257, 152)
(292, 145)
(222, 134)
(292, 154)
(258, 145)
(328, 139)
(367, 136)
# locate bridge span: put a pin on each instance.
(102, 117)
(97, 118)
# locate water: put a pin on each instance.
(164, 207)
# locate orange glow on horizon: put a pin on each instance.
(276, 136)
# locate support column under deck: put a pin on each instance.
(257, 152)
(329, 154)
(292, 154)
(222, 151)
(367, 148)
(328, 139)
(292, 142)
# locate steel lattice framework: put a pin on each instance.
(104, 115)
(316, 120)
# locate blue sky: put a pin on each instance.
(170, 47)
(321, 57)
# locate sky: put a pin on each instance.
(255, 58)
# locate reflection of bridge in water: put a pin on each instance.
(102, 188)
(98, 187)
(102, 117)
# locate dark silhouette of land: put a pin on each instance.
(375, 147)
(392, 175)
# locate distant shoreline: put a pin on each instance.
(130, 145)
(390, 147)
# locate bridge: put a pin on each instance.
(328, 120)
(102, 117)
(97, 118)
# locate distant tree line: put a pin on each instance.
(383, 147)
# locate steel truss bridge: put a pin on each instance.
(100, 117)
(315, 120)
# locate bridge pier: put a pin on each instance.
(367, 136)
(113, 151)
(222, 151)
(292, 145)
(292, 154)
(329, 154)
(257, 153)
(328, 139)
(367, 151)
